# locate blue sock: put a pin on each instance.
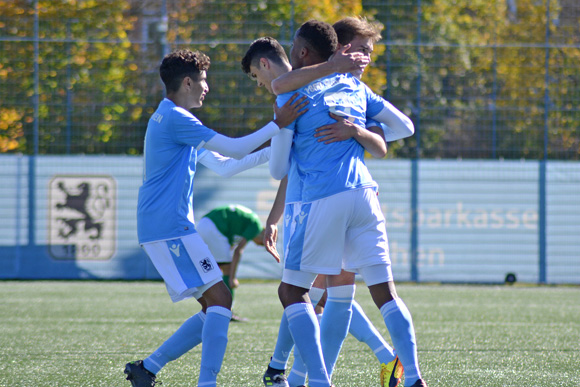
(335, 322)
(284, 344)
(306, 334)
(183, 340)
(298, 373)
(215, 340)
(400, 325)
(365, 332)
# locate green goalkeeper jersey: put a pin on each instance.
(234, 221)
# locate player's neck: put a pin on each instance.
(179, 100)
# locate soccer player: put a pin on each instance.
(340, 223)
(165, 221)
(227, 230)
(266, 60)
(358, 35)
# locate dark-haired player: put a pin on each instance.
(165, 221)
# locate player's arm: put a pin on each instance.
(371, 138)
(236, 258)
(398, 125)
(276, 213)
(339, 62)
(280, 153)
(228, 167)
(239, 147)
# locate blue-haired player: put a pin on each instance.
(165, 222)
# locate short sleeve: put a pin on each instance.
(188, 130)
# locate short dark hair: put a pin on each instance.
(350, 27)
(180, 64)
(266, 47)
(320, 37)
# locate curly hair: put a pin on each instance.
(320, 37)
(180, 64)
(350, 27)
(266, 47)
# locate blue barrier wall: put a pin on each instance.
(476, 220)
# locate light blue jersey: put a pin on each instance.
(327, 169)
(165, 205)
(294, 187)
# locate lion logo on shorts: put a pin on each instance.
(206, 265)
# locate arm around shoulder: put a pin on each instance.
(398, 124)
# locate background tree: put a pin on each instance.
(471, 74)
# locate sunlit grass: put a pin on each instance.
(82, 334)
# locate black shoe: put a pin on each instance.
(139, 376)
(275, 378)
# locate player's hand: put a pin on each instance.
(343, 62)
(234, 283)
(270, 239)
(290, 111)
(341, 130)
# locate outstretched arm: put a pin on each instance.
(239, 147)
(339, 62)
(228, 167)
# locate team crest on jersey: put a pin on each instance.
(82, 213)
(206, 265)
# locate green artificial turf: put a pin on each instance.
(82, 333)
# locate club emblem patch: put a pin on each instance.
(206, 265)
(82, 213)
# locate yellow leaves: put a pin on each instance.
(11, 129)
(79, 60)
(106, 130)
(136, 113)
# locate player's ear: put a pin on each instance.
(265, 63)
(186, 82)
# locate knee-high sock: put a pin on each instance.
(400, 325)
(335, 322)
(215, 340)
(306, 334)
(184, 339)
(297, 375)
(284, 344)
(365, 332)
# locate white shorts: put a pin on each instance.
(185, 264)
(346, 230)
(216, 241)
(290, 212)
